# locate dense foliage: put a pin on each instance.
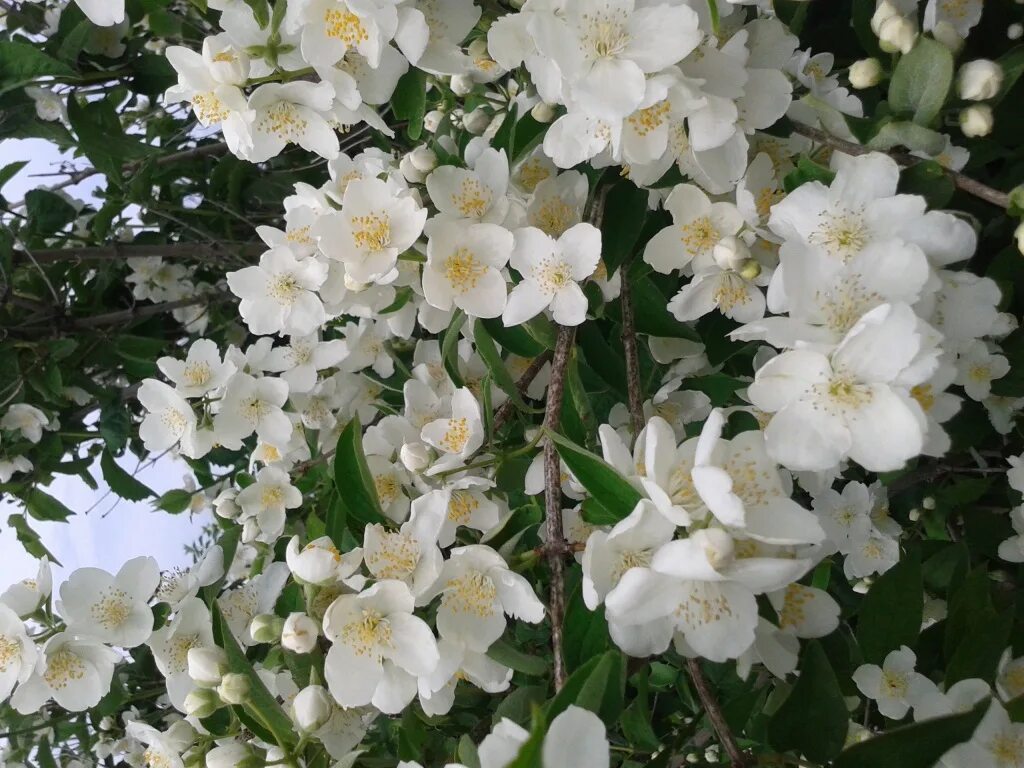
(575, 382)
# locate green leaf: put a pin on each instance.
(450, 347)
(598, 685)
(625, 209)
(505, 653)
(529, 755)
(42, 506)
(409, 101)
(48, 212)
(261, 11)
(978, 654)
(352, 476)
(807, 170)
(11, 170)
(813, 720)
(24, 62)
(29, 539)
(115, 423)
(929, 180)
(515, 339)
(492, 359)
(900, 133)
(611, 490)
(174, 502)
(913, 746)
(120, 482)
(921, 81)
(650, 311)
(890, 614)
(261, 700)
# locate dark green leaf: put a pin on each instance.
(625, 209)
(977, 655)
(505, 653)
(120, 482)
(24, 62)
(890, 615)
(450, 347)
(29, 539)
(352, 477)
(602, 481)
(813, 720)
(42, 506)
(492, 359)
(48, 212)
(409, 101)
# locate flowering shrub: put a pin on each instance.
(591, 382)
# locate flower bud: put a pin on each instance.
(897, 34)
(928, 502)
(311, 708)
(543, 112)
(224, 505)
(206, 666)
(750, 269)
(299, 633)
(415, 456)
(979, 80)
(914, 515)
(230, 755)
(423, 158)
(1018, 235)
(730, 253)
(865, 73)
(976, 120)
(476, 122)
(1015, 31)
(461, 84)
(202, 702)
(885, 11)
(410, 172)
(234, 688)
(266, 628)
(946, 33)
(432, 120)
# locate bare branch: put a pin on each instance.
(966, 183)
(535, 367)
(633, 388)
(122, 251)
(714, 710)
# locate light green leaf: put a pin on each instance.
(174, 502)
(24, 62)
(921, 81)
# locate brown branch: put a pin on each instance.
(633, 388)
(965, 183)
(536, 365)
(123, 251)
(553, 501)
(714, 711)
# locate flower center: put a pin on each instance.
(605, 35)
(396, 558)
(472, 593)
(344, 26)
(457, 435)
(841, 234)
(463, 271)
(284, 288)
(284, 121)
(372, 232)
(700, 235)
(366, 636)
(473, 199)
(554, 217)
(111, 609)
(10, 652)
(209, 109)
(63, 667)
(198, 374)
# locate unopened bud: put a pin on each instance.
(865, 73)
(423, 158)
(415, 456)
(202, 702)
(311, 708)
(206, 666)
(410, 172)
(928, 502)
(299, 633)
(897, 34)
(914, 515)
(478, 48)
(1015, 31)
(432, 120)
(885, 11)
(946, 33)
(543, 112)
(977, 120)
(224, 505)
(266, 628)
(234, 688)
(476, 122)
(979, 80)
(730, 253)
(461, 84)
(231, 755)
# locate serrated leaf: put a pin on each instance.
(42, 506)
(813, 720)
(120, 482)
(921, 81)
(611, 490)
(29, 539)
(891, 612)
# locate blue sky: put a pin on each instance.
(115, 530)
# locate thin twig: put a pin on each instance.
(633, 388)
(553, 500)
(966, 183)
(123, 251)
(524, 382)
(714, 710)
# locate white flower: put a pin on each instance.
(190, 628)
(24, 597)
(253, 405)
(464, 266)
(301, 359)
(630, 544)
(977, 120)
(865, 73)
(278, 296)
(290, 113)
(299, 633)
(462, 502)
(375, 225)
(378, 648)
(604, 49)
(73, 671)
(977, 367)
(698, 226)
(12, 466)
(331, 28)
(962, 15)
(26, 419)
(111, 608)
(457, 437)
(552, 271)
(311, 708)
(478, 194)
(853, 403)
(410, 554)
(437, 690)
(201, 371)
(1012, 549)
(961, 697)
(49, 105)
(241, 604)
(17, 652)
(169, 420)
(320, 562)
(557, 203)
(575, 737)
(267, 499)
(103, 13)
(894, 686)
(163, 748)
(805, 611)
(477, 590)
